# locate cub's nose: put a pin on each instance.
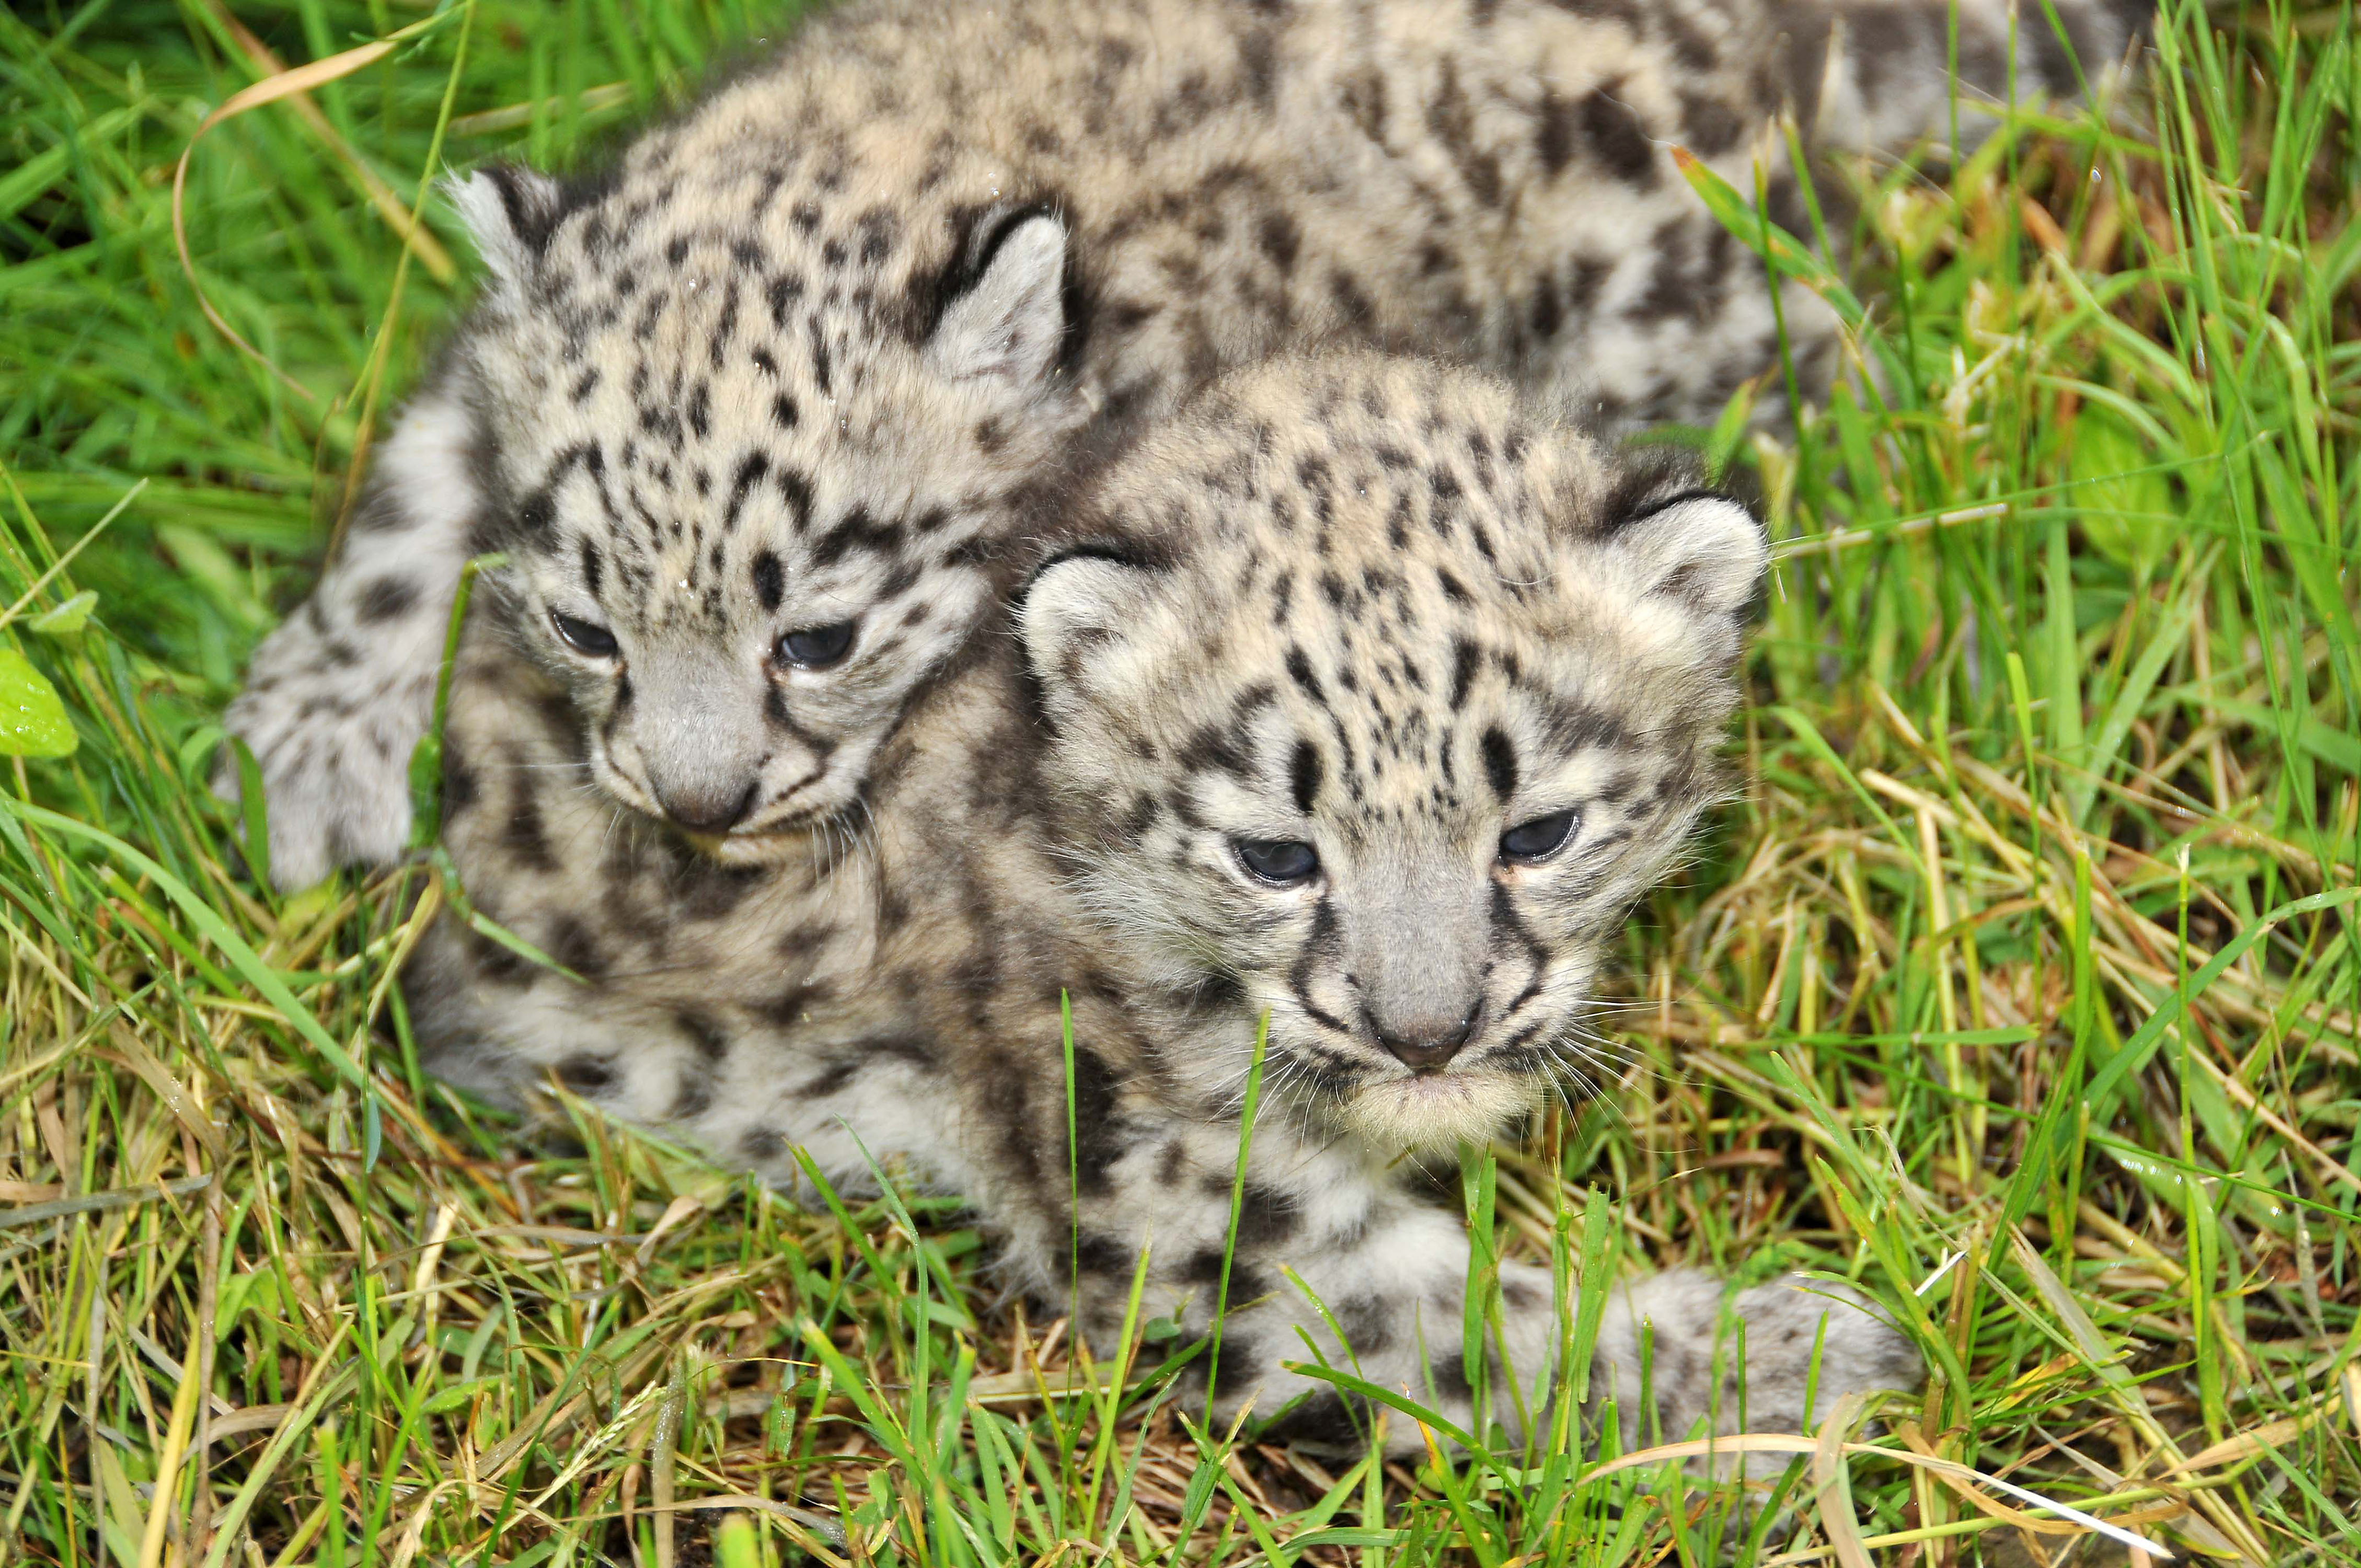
(704, 808)
(1425, 1044)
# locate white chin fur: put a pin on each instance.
(762, 849)
(1437, 1111)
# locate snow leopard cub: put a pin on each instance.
(747, 410)
(1362, 694)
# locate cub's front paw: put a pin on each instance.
(333, 745)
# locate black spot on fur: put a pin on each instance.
(780, 293)
(795, 490)
(1102, 1256)
(692, 1094)
(1319, 1422)
(1280, 239)
(856, 529)
(1098, 1130)
(523, 836)
(1352, 303)
(712, 1041)
(770, 580)
(1554, 138)
(1463, 659)
(1205, 1267)
(498, 964)
(1368, 1325)
(386, 598)
(750, 473)
(585, 1074)
(1547, 314)
(1303, 775)
(793, 1005)
(820, 368)
(571, 944)
(1267, 1216)
(460, 787)
(1714, 127)
(1618, 137)
(1299, 669)
(1500, 762)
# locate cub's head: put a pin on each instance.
(1376, 701)
(746, 469)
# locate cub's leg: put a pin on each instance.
(1324, 1243)
(342, 691)
(1390, 1272)
(1800, 1337)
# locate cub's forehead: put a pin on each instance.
(819, 223)
(730, 289)
(703, 425)
(703, 351)
(720, 461)
(1391, 563)
(1365, 510)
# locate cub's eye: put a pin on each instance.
(1282, 862)
(816, 647)
(1537, 839)
(586, 637)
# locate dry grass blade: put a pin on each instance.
(287, 83)
(389, 206)
(1832, 1484)
(1827, 1452)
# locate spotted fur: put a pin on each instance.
(1382, 607)
(803, 354)
(1400, 621)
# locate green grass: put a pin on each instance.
(2025, 970)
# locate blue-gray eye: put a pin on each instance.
(816, 647)
(586, 637)
(1283, 861)
(1537, 839)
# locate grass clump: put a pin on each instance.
(2021, 983)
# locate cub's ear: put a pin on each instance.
(1077, 618)
(1005, 328)
(1698, 547)
(509, 210)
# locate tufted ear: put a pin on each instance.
(1698, 547)
(1075, 617)
(1005, 327)
(509, 210)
